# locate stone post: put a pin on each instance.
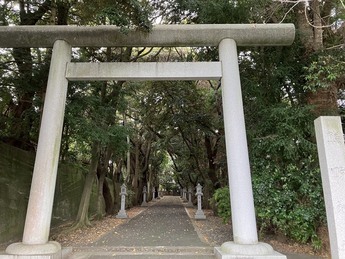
(122, 213)
(331, 150)
(199, 213)
(240, 185)
(184, 195)
(153, 194)
(190, 203)
(144, 203)
(158, 194)
(39, 211)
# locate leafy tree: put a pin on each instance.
(181, 122)
(287, 183)
(91, 126)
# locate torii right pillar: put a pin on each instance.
(245, 244)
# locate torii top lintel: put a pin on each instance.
(192, 35)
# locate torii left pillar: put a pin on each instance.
(38, 217)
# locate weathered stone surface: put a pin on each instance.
(331, 150)
(154, 194)
(50, 248)
(231, 250)
(241, 194)
(199, 213)
(40, 206)
(192, 35)
(122, 213)
(144, 203)
(190, 203)
(148, 71)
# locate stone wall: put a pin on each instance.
(16, 167)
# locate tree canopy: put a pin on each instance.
(170, 134)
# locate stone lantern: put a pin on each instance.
(199, 213)
(144, 203)
(122, 213)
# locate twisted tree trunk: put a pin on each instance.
(82, 219)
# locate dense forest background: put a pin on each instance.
(170, 134)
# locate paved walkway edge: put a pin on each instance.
(84, 252)
(191, 218)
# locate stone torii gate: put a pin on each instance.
(227, 37)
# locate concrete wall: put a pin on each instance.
(16, 167)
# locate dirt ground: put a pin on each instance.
(216, 233)
(212, 231)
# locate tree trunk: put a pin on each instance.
(83, 212)
(100, 208)
(108, 199)
(324, 100)
(305, 31)
(117, 178)
(136, 173)
(102, 170)
(317, 22)
(150, 185)
(211, 155)
(145, 166)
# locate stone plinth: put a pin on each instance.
(199, 215)
(122, 214)
(50, 250)
(231, 250)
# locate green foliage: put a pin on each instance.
(327, 69)
(169, 110)
(177, 118)
(125, 14)
(286, 179)
(90, 119)
(221, 200)
(129, 198)
(211, 12)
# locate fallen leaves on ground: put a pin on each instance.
(215, 233)
(87, 235)
(212, 231)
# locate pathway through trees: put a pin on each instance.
(165, 223)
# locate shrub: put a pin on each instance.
(286, 178)
(221, 199)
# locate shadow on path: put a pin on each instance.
(163, 230)
(165, 223)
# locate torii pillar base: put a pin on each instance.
(50, 250)
(231, 250)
